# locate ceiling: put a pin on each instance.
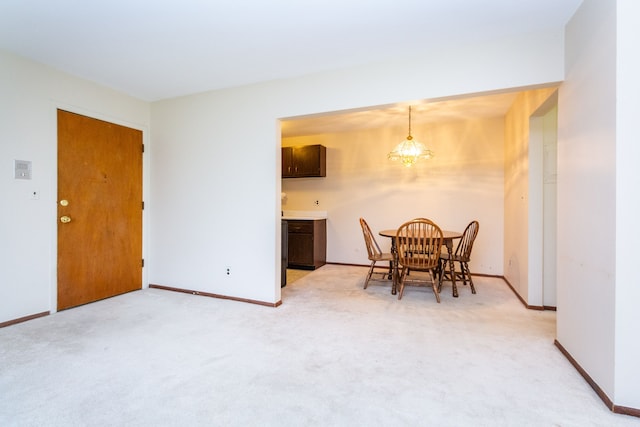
(466, 108)
(161, 49)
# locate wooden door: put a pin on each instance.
(99, 209)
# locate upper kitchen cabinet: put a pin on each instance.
(304, 161)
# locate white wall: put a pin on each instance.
(29, 96)
(598, 185)
(627, 319)
(216, 156)
(463, 182)
(550, 206)
(520, 199)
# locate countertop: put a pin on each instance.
(304, 215)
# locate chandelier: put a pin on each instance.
(410, 151)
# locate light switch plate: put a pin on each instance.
(22, 169)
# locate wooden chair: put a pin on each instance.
(375, 253)
(418, 243)
(461, 257)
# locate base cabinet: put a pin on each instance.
(284, 251)
(307, 243)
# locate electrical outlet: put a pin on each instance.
(228, 271)
(317, 202)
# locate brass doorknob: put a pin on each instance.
(65, 219)
(64, 202)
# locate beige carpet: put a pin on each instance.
(293, 275)
(332, 355)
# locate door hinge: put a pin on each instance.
(143, 205)
(142, 262)
(143, 148)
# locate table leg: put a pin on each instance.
(452, 271)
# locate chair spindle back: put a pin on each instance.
(466, 242)
(419, 243)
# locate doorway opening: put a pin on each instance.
(543, 142)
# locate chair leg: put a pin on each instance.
(452, 266)
(446, 274)
(434, 286)
(465, 268)
(403, 274)
(366, 281)
(463, 274)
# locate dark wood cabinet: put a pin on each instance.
(304, 161)
(307, 243)
(284, 262)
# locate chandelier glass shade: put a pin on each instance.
(410, 151)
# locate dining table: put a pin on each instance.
(448, 237)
